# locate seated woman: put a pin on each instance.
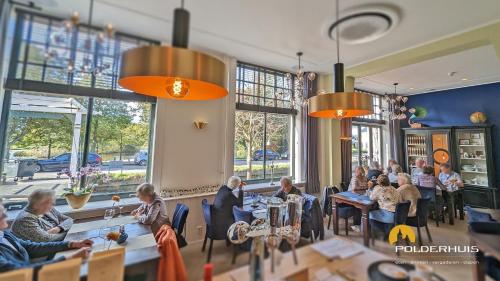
(428, 183)
(16, 253)
(40, 221)
(359, 183)
(387, 198)
(408, 192)
(153, 210)
(393, 175)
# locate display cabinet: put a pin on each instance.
(468, 149)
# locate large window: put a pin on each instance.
(366, 144)
(48, 107)
(264, 124)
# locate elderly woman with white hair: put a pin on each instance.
(40, 221)
(153, 210)
(408, 192)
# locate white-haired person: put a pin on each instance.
(18, 253)
(418, 170)
(40, 221)
(229, 195)
(153, 210)
(286, 188)
(408, 192)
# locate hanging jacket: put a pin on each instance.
(171, 265)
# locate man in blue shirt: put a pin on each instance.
(450, 179)
(16, 253)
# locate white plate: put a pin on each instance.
(393, 271)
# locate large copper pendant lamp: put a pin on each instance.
(174, 72)
(340, 104)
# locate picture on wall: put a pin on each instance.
(475, 135)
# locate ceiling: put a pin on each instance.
(269, 33)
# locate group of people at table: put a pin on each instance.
(39, 230)
(392, 186)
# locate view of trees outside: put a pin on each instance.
(119, 140)
(366, 145)
(250, 127)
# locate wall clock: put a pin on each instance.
(440, 156)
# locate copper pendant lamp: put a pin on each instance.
(174, 72)
(340, 104)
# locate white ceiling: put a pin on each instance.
(270, 32)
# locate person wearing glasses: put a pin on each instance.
(16, 253)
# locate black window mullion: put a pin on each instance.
(265, 145)
(27, 47)
(47, 46)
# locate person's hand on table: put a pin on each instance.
(55, 230)
(81, 244)
(82, 253)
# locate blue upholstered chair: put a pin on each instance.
(345, 211)
(213, 231)
(179, 222)
(420, 220)
(246, 216)
(435, 200)
(400, 216)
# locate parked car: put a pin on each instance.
(141, 158)
(270, 155)
(56, 164)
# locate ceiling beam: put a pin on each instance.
(475, 38)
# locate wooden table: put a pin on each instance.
(355, 267)
(361, 202)
(487, 243)
(138, 261)
(452, 195)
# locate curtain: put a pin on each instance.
(396, 145)
(346, 150)
(309, 141)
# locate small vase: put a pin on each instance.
(77, 201)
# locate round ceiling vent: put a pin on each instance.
(362, 25)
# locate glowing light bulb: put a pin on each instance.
(178, 88)
(340, 113)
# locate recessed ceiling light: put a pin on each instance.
(464, 79)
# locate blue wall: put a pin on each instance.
(453, 108)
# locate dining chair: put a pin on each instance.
(213, 231)
(24, 274)
(400, 216)
(107, 265)
(345, 211)
(435, 200)
(68, 270)
(420, 220)
(246, 216)
(179, 223)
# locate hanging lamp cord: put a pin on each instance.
(182, 4)
(91, 12)
(337, 31)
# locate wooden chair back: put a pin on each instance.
(25, 274)
(107, 265)
(68, 270)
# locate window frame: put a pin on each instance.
(288, 111)
(370, 127)
(13, 83)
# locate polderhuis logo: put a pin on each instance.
(400, 232)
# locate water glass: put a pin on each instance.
(109, 214)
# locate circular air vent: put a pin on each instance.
(364, 25)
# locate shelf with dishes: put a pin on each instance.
(480, 159)
(476, 172)
(472, 145)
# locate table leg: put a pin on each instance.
(335, 217)
(478, 270)
(461, 205)
(365, 227)
(451, 207)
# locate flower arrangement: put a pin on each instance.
(91, 177)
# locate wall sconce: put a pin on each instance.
(200, 124)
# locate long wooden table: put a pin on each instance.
(355, 267)
(141, 256)
(361, 202)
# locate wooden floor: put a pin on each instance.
(445, 234)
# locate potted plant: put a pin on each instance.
(77, 194)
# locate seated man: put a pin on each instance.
(40, 221)
(286, 188)
(225, 199)
(16, 253)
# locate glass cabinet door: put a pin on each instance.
(416, 148)
(472, 160)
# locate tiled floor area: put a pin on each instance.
(445, 234)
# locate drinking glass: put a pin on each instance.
(275, 223)
(109, 214)
(293, 220)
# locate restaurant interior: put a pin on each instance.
(235, 140)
